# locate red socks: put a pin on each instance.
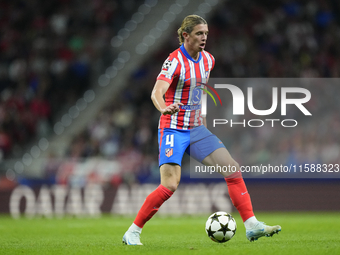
(237, 191)
(151, 204)
(239, 195)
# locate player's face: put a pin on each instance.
(197, 39)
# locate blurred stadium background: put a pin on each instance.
(78, 131)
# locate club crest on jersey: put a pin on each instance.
(169, 152)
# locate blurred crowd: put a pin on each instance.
(53, 52)
(50, 51)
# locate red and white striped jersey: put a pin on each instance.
(184, 74)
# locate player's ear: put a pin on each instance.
(185, 35)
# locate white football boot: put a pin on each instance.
(132, 238)
(261, 229)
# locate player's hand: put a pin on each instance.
(171, 109)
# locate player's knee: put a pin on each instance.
(171, 183)
(172, 186)
(233, 166)
(236, 165)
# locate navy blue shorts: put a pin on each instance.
(197, 142)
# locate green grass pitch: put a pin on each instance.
(302, 233)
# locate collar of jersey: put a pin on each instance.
(188, 56)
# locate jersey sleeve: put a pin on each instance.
(169, 70)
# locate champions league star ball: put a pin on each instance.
(220, 227)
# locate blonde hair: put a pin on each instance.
(188, 25)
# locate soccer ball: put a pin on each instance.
(220, 227)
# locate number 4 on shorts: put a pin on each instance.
(169, 140)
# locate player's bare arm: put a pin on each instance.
(157, 97)
(205, 122)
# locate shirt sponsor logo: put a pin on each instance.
(190, 107)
